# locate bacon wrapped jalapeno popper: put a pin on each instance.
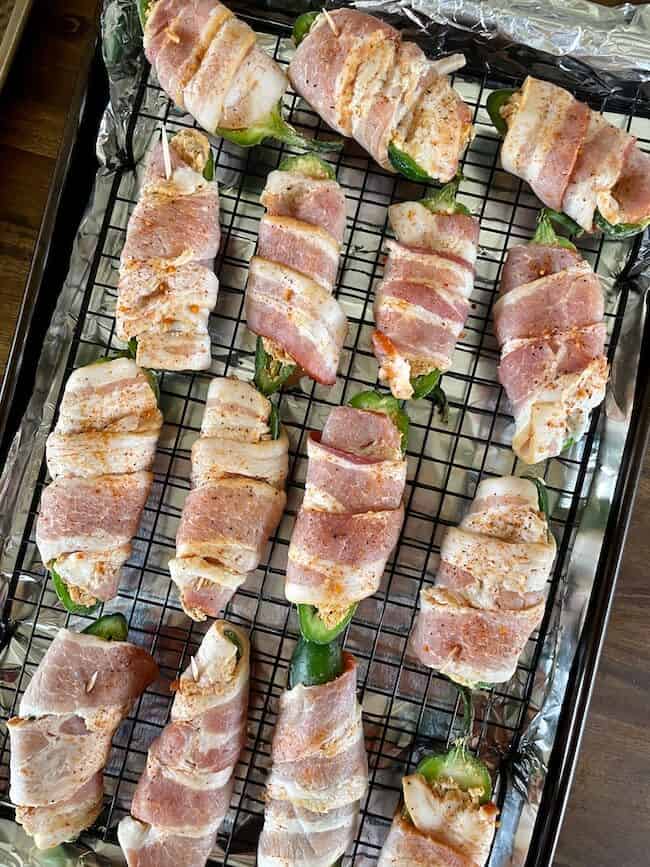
(549, 321)
(239, 468)
(100, 456)
(83, 688)
(208, 62)
(167, 287)
(184, 793)
(356, 72)
(423, 301)
(447, 817)
(489, 593)
(350, 518)
(289, 301)
(574, 159)
(320, 769)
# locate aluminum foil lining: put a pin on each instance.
(35, 614)
(613, 39)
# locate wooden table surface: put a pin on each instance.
(607, 819)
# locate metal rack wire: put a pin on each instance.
(406, 707)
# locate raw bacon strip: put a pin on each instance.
(444, 826)
(108, 397)
(167, 288)
(76, 699)
(356, 72)
(238, 474)
(319, 774)
(546, 128)
(208, 62)
(352, 513)
(289, 298)
(489, 593)
(184, 793)
(575, 160)
(549, 323)
(421, 304)
(601, 161)
(100, 455)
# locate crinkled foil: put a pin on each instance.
(614, 40)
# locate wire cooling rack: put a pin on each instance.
(406, 707)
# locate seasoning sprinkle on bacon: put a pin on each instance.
(574, 159)
(209, 63)
(422, 303)
(549, 321)
(366, 83)
(100, 456)
(167, 287)
(237, 500)
(489, 592)
(352, 513)
(82, 690)
(319, 773)
(289, 300)
(184, 793)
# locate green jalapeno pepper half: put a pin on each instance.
(302, 26)
(314, 664)
(270, 375)
(65, 599)
(407, 166)
(425, 383)
(388, 405)
(273, 126)
(208, 168)
(313, 629)
(276, 127)
(495, 101)
(443, 201)
(619, 231)
(110, 627)
(466, 771)
(234, 639)
(308, 164)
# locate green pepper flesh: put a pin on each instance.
(234, 639)
(110, 627)
(65, 599)
(208, 168)
(302, 26)
(270, 375)
(495, 102)
(425, 383)
(458, 765)
(308, 164)
(315, 664)
(407, 166)
(620, 231)
(443, 201)
(313, 629)
(276, 127)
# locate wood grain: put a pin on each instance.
(34, 105)
(607, 819)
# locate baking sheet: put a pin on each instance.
(407, 709)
